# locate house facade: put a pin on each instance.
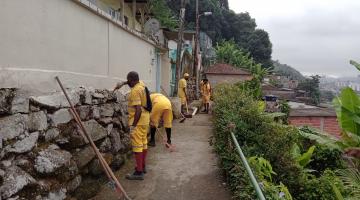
(186, 55)
(323, 119)
(225, 73)
(85, 42)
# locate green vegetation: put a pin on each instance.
(229, 52)
(289, 163)
(311, 86)
(225, 24)
(162, 12)
(285, 162)
(326, 96)
(355, 64)
(285, 108)
(286, 70)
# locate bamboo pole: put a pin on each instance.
(109, 173)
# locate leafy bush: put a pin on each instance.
(270, 148)
(285, 108)
(263, 171)
(351, 180)
(322, 188)
(325, 158)
(257, 134)
(161, 11)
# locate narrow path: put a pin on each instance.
(189, 173)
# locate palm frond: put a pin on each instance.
(351, 180)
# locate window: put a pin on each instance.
(114, 14)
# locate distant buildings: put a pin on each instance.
(336, 84)
(301, 114)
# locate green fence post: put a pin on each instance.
(246, 164)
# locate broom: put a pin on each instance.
(170, 146)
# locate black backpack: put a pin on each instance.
(148, 106)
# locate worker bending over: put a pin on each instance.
(182, 92)
(205, 93)
(161, 109)
(139, 118)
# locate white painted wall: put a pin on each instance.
(43, 38)
(165, 72)
(172, 44)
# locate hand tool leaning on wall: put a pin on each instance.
(109, 173)
(183, 117)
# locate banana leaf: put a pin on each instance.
(347, 109)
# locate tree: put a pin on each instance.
(311, 86)
(225, 24)
(163, 13)
(286, 70)
(355, 64)
(230, 53)
(224, 4)
(326, 95)
(260, 47)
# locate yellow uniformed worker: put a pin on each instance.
(206, 93)
(182, 91)
(139, 120)
(161, 109)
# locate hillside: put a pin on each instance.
(286, 70)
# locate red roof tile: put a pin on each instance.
(221, 68)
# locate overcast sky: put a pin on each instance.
(313, 36)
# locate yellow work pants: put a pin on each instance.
(139, 138)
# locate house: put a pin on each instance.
(281, 81)
(85, 42)
(186, 56)
(225, 73)
(207, 50)
(281, 93)
(320, 118)
(126, 11)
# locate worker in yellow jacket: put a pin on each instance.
(161, 109)
(182, 91)
(139, 120)
(205, 93)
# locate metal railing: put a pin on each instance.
(253, 180)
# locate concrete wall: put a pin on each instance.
(165, 73)
(42, 38)
(326, 124)
(215, 79)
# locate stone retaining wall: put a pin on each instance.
(42, 153)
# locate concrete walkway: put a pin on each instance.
(189, 173)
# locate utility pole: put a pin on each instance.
(179, 45)
(196, 51)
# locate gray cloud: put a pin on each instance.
(320, 40)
